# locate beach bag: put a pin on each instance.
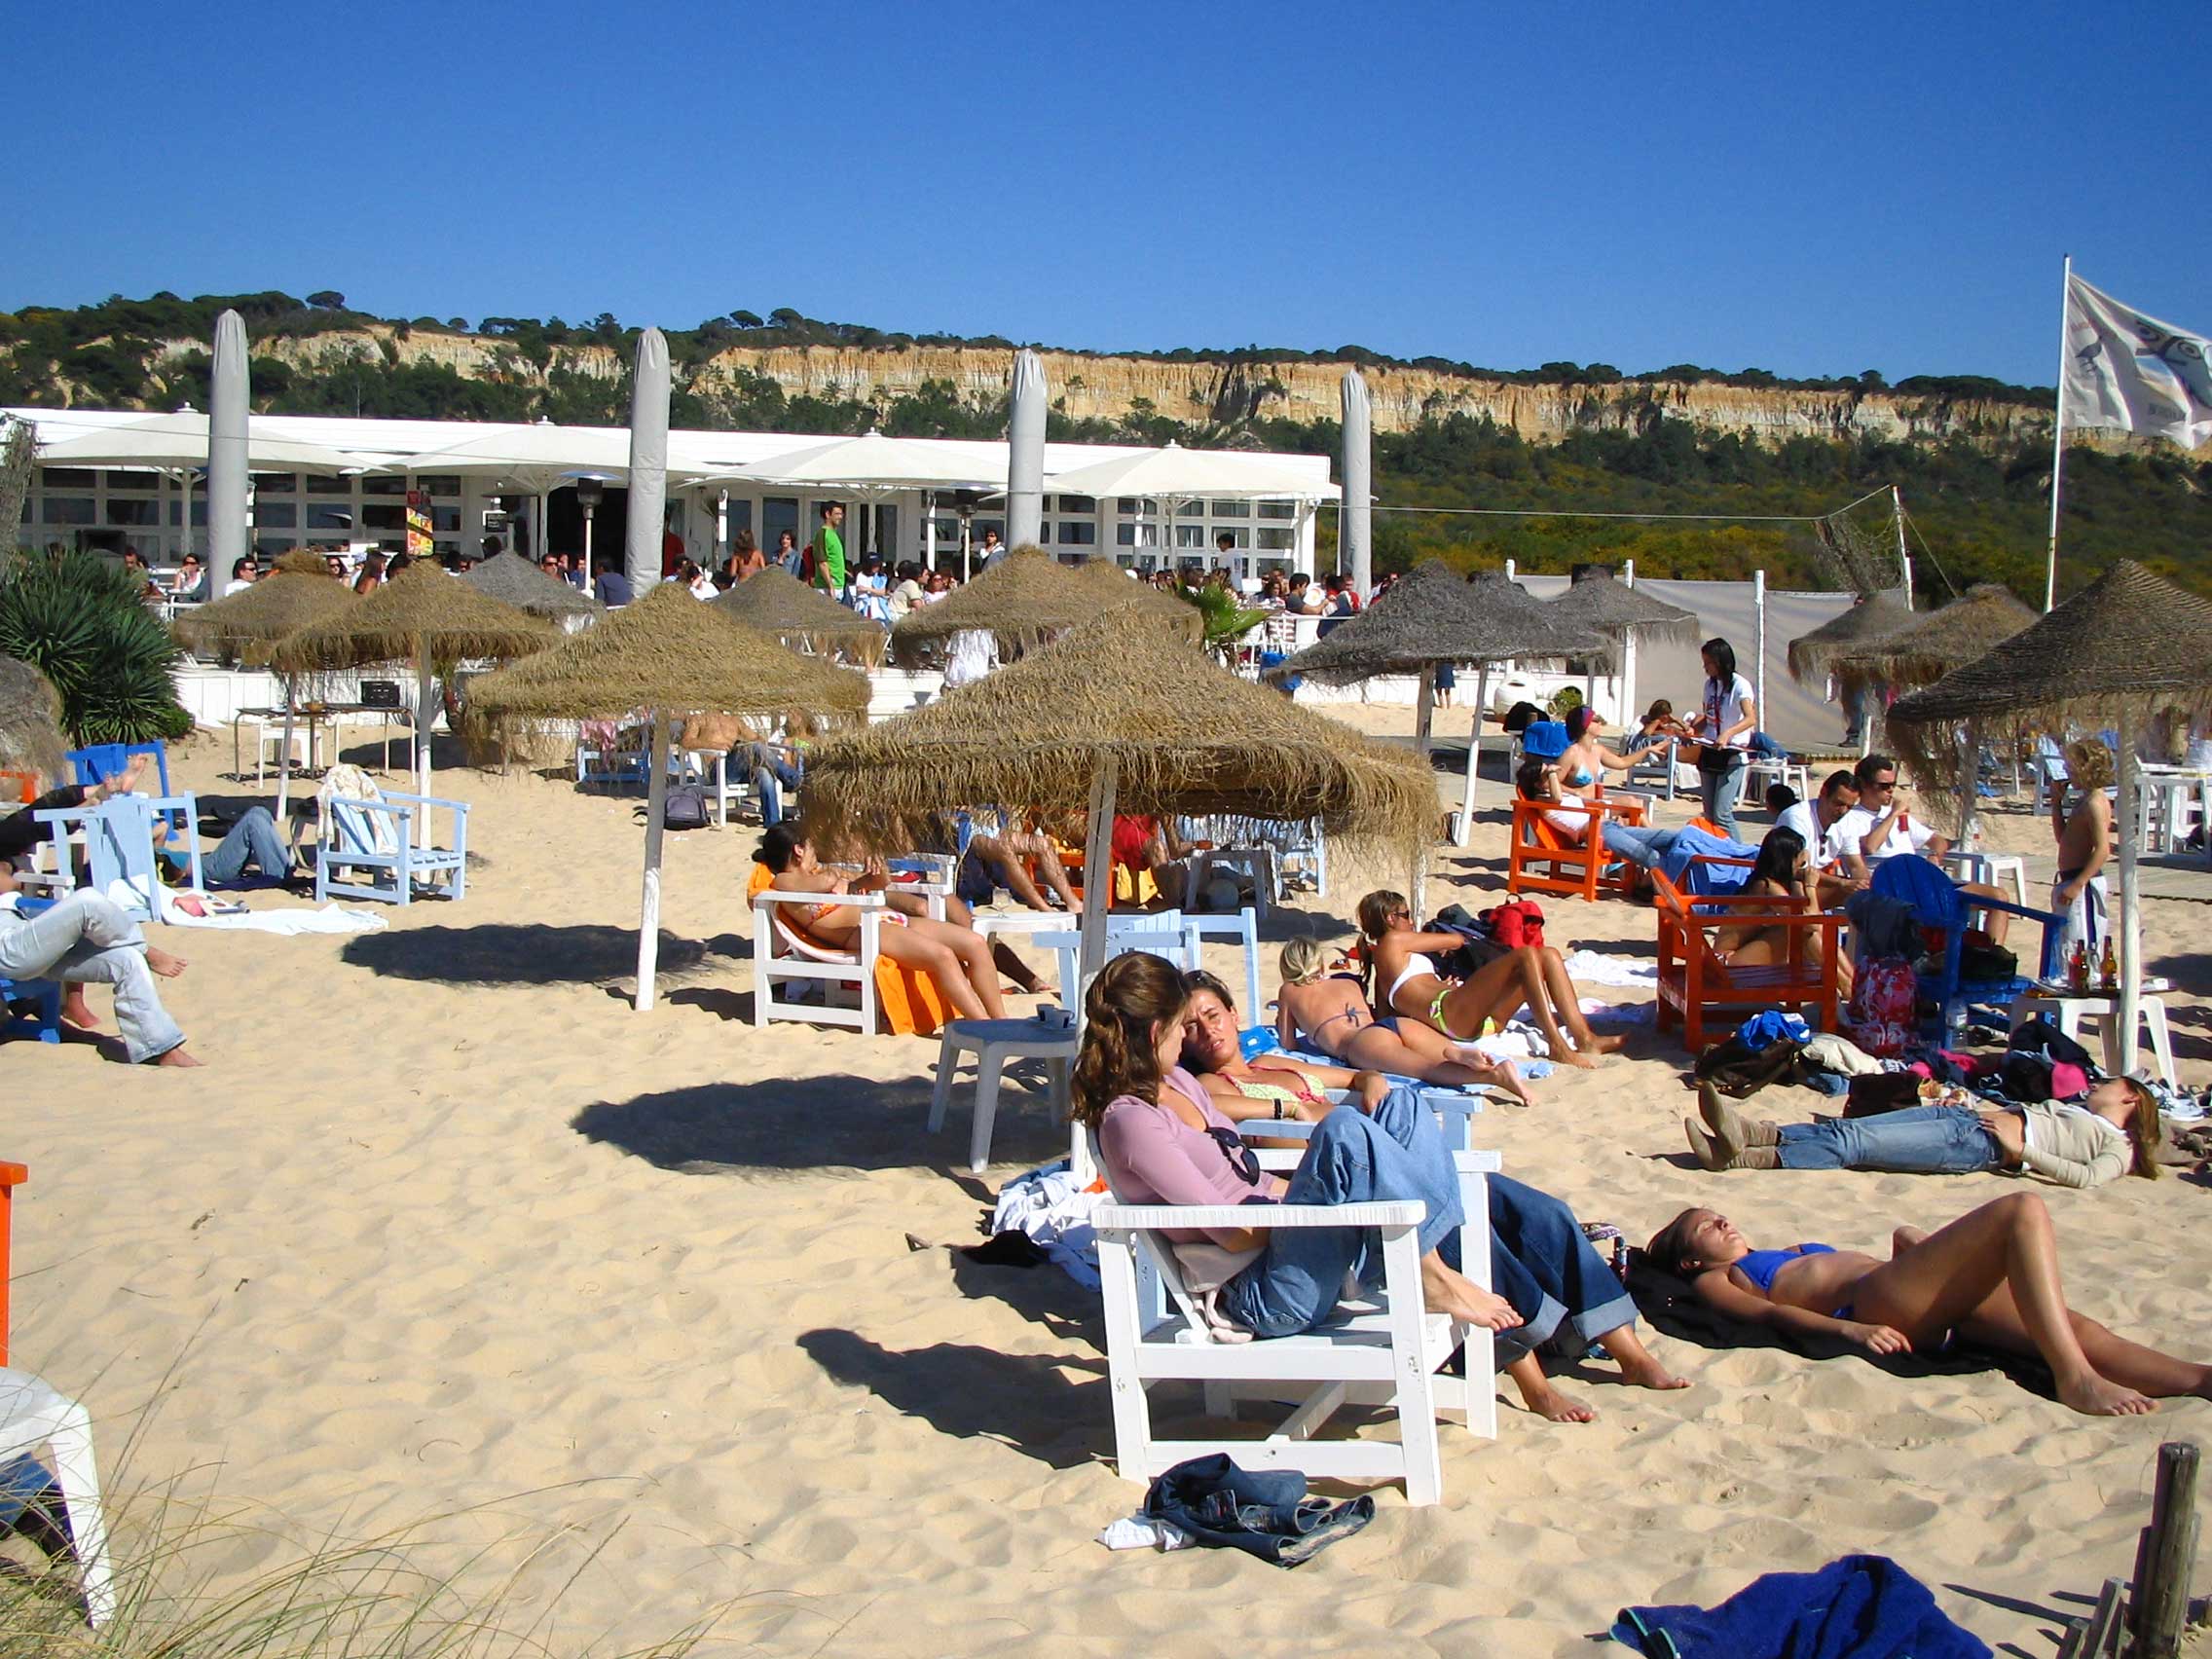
(685, 808)
(1738, 1070)
(1520, 923)
(1880, 1018)
(1715, 761)
(1980, 962)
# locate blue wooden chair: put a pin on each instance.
(1937, 903)
(42, 995)
(97, 763)
(118, 841)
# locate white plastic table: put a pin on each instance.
(2070, 1010)
(992, 1042)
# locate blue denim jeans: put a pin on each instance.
(1539, 1261)
(1643, 847)
(775, 776)
(253, 840)
(1352, 1158)
(1920, 1140)
(1718, 793)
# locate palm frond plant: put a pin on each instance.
(1226, 622)
(78, 620)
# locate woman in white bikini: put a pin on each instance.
(1534, 975)
(1329, 1011)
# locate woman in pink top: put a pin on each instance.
(1164, 1141)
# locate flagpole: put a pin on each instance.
(2057, 442)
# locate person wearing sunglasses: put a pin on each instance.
(1163, 1139)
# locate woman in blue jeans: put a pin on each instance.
(1164, 1141)
(1643, 845)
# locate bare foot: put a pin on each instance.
(1568, 1055)
(176, 1056)
(1606, 1044)
(1448, 1292)
(1549, 1403)
(2094, 1396)
(126, 782)
(1647, 1372)
(76, 1010)
(167, 966)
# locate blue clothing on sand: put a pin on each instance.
(1856, 1608)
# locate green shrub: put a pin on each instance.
(78, 620)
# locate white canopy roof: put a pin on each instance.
(1180, 474)
(877, 463)
(172, 443)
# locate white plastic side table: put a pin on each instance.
(2070, 1010)
(991, 1042)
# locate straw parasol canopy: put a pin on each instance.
(806, 618)
(420, 616)
(1115, 716)
(1114, 586)
(1598, 601)
(671, 653)
(1025, 599)
(513, 579)
(249, 623)
(1435, 616)
(30, 722)
(2129, 646)
(668, 654)
(1876, 617)
(1934, 645)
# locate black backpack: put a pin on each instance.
(685, 809)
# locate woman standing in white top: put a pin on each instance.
(1726, 721)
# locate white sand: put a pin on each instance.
(443, 1223)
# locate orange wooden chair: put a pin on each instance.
(1544, 860)
(11, 1176)
(1693, 980)
(17, 788)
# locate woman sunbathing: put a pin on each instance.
(956, 957)
(1460, 1009)
(1991, 1276)
(1164, 1140)
(1784, 872)
(1330, 1011)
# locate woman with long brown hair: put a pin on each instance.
(1165, 1139)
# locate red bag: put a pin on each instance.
(1881, 1017)
(1520, 923)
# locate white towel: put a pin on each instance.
(330, 920)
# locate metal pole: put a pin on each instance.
(2130, 905)
(648, 899)
(1905, 559)
(2058, 452)
(1758, 643)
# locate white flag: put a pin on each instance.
(2130, 371)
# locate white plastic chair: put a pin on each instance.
(34, 1414)
(782, 951)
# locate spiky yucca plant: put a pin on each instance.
(1226, 622)
(78, 620)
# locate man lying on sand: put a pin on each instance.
(1991, 1276)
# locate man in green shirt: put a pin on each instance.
(830, 551)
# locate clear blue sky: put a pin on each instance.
(1811, 189)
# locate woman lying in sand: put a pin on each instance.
(956, 957)
(1990, 1277)
(1164, 1140)
(1329, 1011)
(1534, 974)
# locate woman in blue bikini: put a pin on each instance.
(1991, 1276)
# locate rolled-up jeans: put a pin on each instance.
(252, 839)
(1920, 1140)
(86, 941)
(1642, 845)
(1352, 1158)
(1540, 1261)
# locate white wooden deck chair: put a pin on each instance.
(1388, 1351)
(364, 842)
(116, 841)
(783, 951)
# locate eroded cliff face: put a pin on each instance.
(1113, 387)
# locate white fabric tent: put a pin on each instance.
(173, 443)
(1174, 475)
(871, 464)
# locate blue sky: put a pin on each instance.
(1807, 188)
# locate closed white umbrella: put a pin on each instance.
(1025, 452)
(1355, 523)
(648, 469)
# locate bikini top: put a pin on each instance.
(1582, 779)
(1762, 1266)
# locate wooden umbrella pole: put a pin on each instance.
(2130, 908)
(1969, 781)
(648, 899)
(1474, 756)
(1097, 880)
(1424, 710)
(425, 715)
(1420, 882)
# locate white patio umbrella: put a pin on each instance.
(1355, 532)
(873, 467)
(1025, 452)
(649, 463)
(1174, 475)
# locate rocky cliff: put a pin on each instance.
(1111, 387)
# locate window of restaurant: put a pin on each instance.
(1078, 532)
(779, 513)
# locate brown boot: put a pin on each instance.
(1732, 1131)
(1756, 1158)
(1708, 1155)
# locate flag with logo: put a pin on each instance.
(2127, 370)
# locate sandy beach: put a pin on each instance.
(443, 1225)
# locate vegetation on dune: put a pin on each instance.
(1978, 499)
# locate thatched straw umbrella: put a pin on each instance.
(513, 579)
(421, 616)
(1025, 599)
(1812, 656)
(2128, 646)
(249, 623)
(776, 602)
(30, 723)
(1437, 617)
(667, 654)
(1624, 615)
(1114, 586)
(1116, 716)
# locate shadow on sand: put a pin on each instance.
(502, 954)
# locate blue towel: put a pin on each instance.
(1772, 1026)
(1858, 1608)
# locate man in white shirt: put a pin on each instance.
(1815, 822)
(1879, 828)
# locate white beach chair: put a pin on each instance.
(33, 1414)
(116, 841)
(364, 842)
(782, 952)
(1388, 1351)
